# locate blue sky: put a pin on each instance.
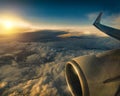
(60, 12)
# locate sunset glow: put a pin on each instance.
(8, 25)
(12, 24)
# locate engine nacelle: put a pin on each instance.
(95, 75)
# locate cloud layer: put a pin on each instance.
(37, 68)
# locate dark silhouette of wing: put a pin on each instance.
(106, 29)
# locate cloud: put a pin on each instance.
(38, 68)
(92, 16)
(83, 30)
(115, 20)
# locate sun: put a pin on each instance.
(8, 25)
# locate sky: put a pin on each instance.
(61, 12)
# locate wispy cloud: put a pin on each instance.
(92, 16)
(115, 20)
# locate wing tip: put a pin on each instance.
(98, 19)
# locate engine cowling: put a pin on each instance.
(95, 75)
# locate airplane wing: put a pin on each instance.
(106, 29)
(95, 75)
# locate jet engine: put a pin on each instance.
(95, 75)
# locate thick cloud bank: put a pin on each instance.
(35, 67)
